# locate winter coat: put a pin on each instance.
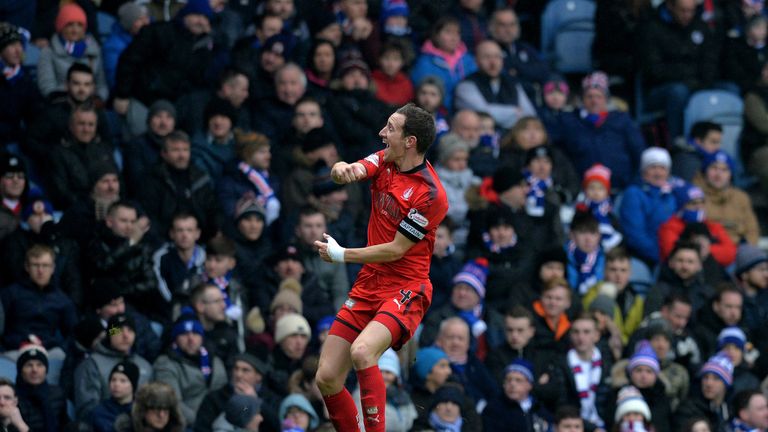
(503, 413)
(47, 313)
(359, 116)
(187, 380)
(441, 273)
(317, 302)
(211, 156)
(456, 184)
(250, 256)
(708, 327)
(111, 256)
(24, 104)
(507, 105)
(168, 191)
(215, 401)
(396, 90)
(14, 249)
(331, 278)
(643, 209)
(547, 335)
(72, 163)
(672, 53)
(723, 249)
(175, 279)
(476, 379)
(661, 410)
(164, 61)
(617, 144)
(628, 312)
(670, 283)
(755, 133)
(139, 156)
(524, 62)
(572, 272)
(697, 406)
(234, 184)
(190, 112)
(92, 377)
(743, 63)
(55, 62)
(104, 415)
(114, 45)
(34, 401)
(422, 400)
(731, 208)
(434, 62)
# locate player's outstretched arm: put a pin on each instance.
(345, 173)
(386, 252)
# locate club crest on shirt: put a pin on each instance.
(415, 216)
(349, 303)
(407, 194)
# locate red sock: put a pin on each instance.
(373, 397)
(342, 410)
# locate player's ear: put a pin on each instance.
(410, 141)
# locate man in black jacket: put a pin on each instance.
(680, 54)
(175, 185)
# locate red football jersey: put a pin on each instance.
(412, 202)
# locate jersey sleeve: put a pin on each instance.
(372, 163)
(422, 218)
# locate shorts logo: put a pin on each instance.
(415, 216)
(372, 410)
(349, 303)
(406, 296)
(373, 158)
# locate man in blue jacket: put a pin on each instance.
(647, 205)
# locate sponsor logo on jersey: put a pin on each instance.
(349, 303)
(417, 217)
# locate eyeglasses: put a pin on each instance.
(15, 175)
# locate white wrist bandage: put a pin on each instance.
(335, 251)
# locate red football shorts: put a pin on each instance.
(398, 303)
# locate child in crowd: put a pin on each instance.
(586, 260)
(123, 383)
(632, 412)
(538, 174)
(393, 86)
(430, 96)
(597, 200)
(556, 93)
(550, 319)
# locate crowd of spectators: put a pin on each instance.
(163, 182)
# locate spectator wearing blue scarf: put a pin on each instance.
(188, 367)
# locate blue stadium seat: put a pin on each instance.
(567, 31)
(7, 368)
(723, 108)
(104, 24)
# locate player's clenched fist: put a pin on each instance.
(344, 173)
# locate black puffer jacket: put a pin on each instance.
(164, 61)
(72, 162)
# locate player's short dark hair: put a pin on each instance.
(566, 412)
(585, 221)
(519, 312)
(78, 67)
(420, 124)
(699, 130)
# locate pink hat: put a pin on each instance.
(596, 80)
(70, 13)
(598, 172)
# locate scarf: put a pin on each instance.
(266, 195)
(233, 311)
(491, 141)
(75, 49)
(526, 404)
(601, 210)
(585, 266)
(11, 73)
(739, 426)
(451, 59)
(259, 180)
(534, 203)
(441, 426)
(586, 376)
(498, 248)
(596, 120)
(38, 398)
(691, 215)
(204, 361)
